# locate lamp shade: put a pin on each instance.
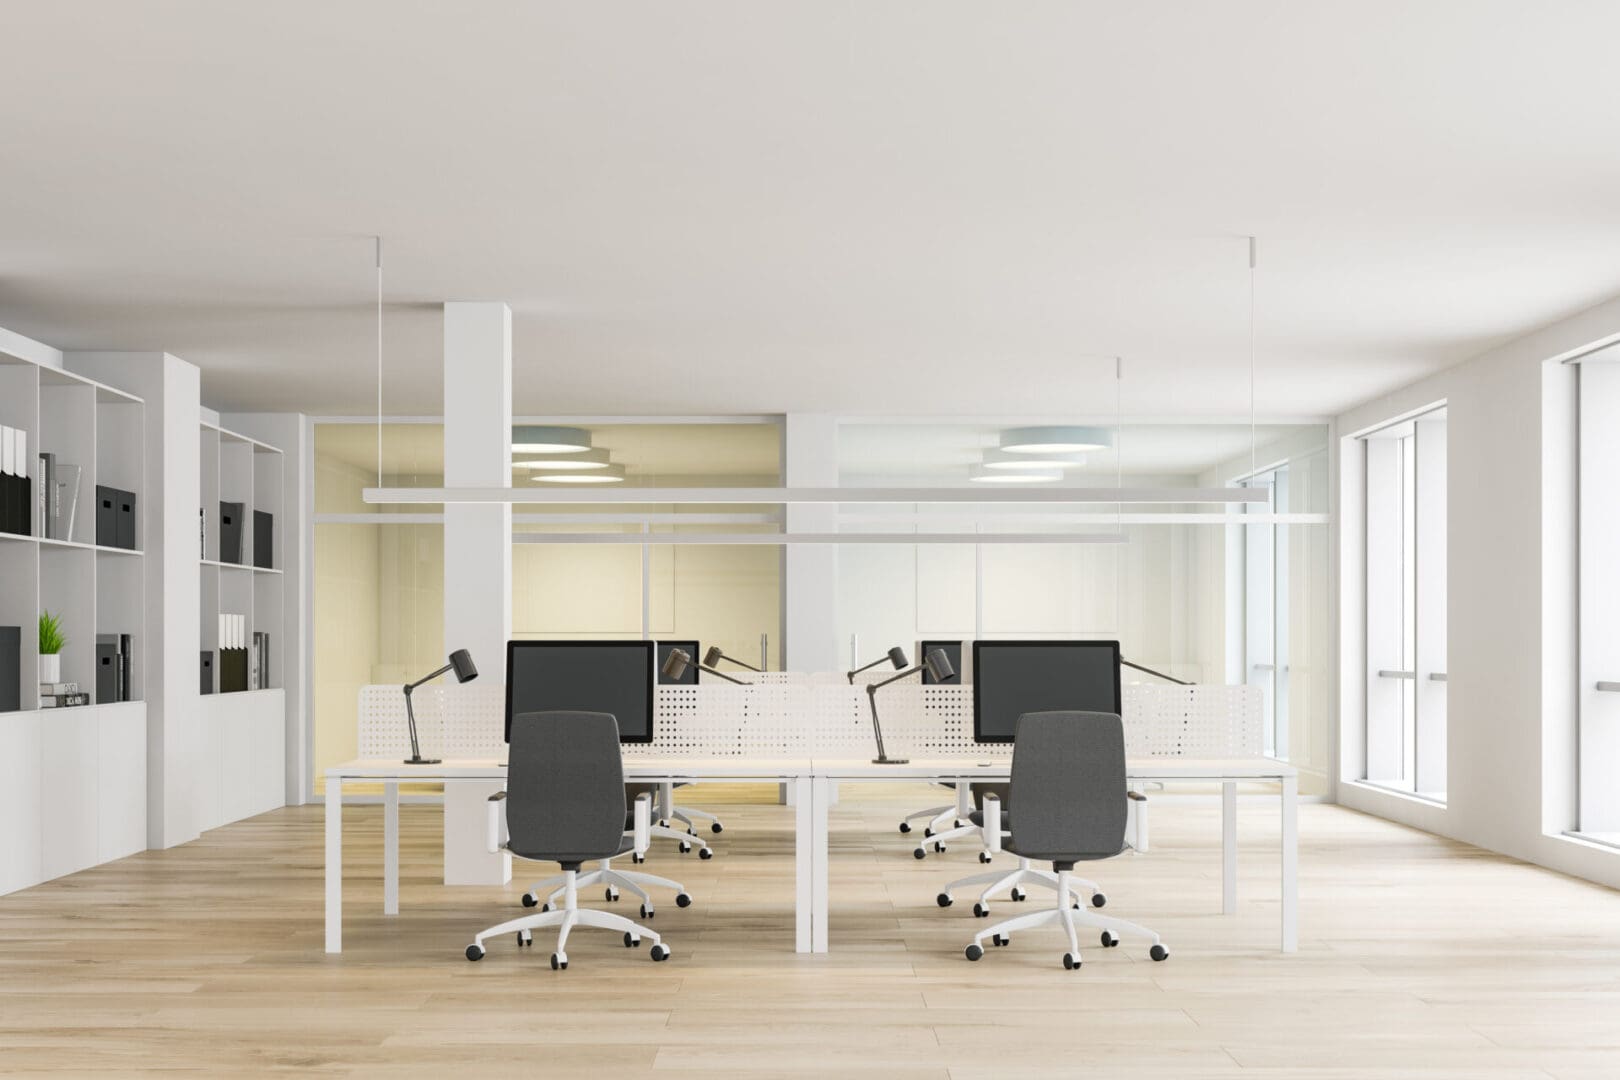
(897, 657)
(585, 459)
(713, 657)
(1055, 439)
(1006, 459)
(939, 666)
(676, 663)
(549, 439)
(462, 663)
(606, 474)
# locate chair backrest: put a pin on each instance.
(565, 785)
(1068, 785)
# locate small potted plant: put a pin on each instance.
(51, 641)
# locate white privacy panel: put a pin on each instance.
(790, 716)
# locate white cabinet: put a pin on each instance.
(20, 864)
(121, 789)
(70, 759)
(243, 739)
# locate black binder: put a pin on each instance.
(124, 533)
(207, 671)
(233, 671)
(106, 516)
(263, 542)
(10, 668)
(230, 532)
(107, 668)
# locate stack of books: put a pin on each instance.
(61, 695)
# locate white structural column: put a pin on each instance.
(477, 545)
(810, 571)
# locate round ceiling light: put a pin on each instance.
(1002, 459)
(549, 439)
(608, 474)
(1057, 439)
(585, 459)
(982, 475)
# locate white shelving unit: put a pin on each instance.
(73, 781)
(243, 732)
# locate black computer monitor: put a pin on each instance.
(953, 653)
(1011, 678)
(585, 676)
(689, 677)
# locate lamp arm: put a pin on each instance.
(894, 678)
(865, 667)
(410, 715)
(739, 663)
(427, 679)
(877, 728)
(711, 671)
(1150, 671)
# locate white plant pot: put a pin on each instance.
(50, 668)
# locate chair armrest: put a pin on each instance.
(992, 823)
(643, 836)
(497, 807)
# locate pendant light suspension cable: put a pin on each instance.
(1253, 456)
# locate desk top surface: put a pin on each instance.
(996, 767)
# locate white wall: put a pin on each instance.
(1510, 606)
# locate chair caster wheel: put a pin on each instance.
(974, 952)
(610, 894)
(1159, 952)
(660, 952)
(1109, 940)
(683, 900)
(717, 828)
(939, 848)
(957, 824)
(530, 900)
(559, 961)
(638, 859)
(685, 847)
(524, 938)
(545, 907)
(1001, 939)
(1019, 895)
(1098, 899)
(1071, 962)
(981, 910)
(691, 831)
(705, 853)
(475, 952)
(647, 911)
(943, 899)
(630, 940)
(919, 854)
(984, 856)
(905, 826)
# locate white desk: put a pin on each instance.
(812, 780)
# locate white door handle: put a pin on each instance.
(1437, 676)
(1397, 674)
(1609, 687)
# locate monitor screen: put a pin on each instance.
(1011, 678)
(689, 677)
(583, 676)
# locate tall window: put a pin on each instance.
(1599, 597)
(1406, 605)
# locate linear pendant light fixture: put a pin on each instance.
(795, 496)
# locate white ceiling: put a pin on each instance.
(899, 208)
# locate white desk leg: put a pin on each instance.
(1290, 864)
(334, 865)
(1139, 816)
(803, 852)
(820, 794)
(666, 802)
(391, 848)
(1229, 848)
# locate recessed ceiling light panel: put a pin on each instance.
(549, 439)
(1055, 439)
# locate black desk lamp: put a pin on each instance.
(937, 664)
(462, 664)
(712, 658)
(1150, 671)
(678, 660)
(895, 656)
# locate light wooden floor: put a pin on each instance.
(1418, 957)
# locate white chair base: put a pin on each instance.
(1083, 890)
(938, 816)
(1068, 918)
(565, 919)
(612, 880)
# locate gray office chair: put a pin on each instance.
(564, 803)
(1068, 784)
(612, 880)
(1025, 873)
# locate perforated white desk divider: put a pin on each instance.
(799, 716)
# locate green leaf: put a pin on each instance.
(51, 638)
